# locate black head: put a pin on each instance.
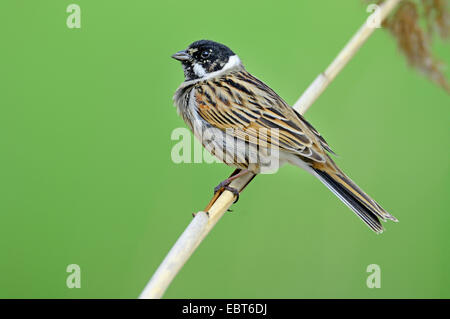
(204, 57)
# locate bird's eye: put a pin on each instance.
(206, 54)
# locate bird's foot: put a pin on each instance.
(225, 186)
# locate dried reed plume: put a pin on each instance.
(413, 25)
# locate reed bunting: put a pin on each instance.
(247, 125)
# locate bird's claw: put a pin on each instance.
(221, 186)
(225, 185)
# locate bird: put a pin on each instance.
(246, 125)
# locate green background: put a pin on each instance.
(86, 175)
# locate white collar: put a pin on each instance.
(233, 63)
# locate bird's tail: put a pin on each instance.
(355, 198)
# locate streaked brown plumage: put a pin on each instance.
(219, 94)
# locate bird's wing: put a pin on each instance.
(246, 108)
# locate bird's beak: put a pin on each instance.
(181, 56)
